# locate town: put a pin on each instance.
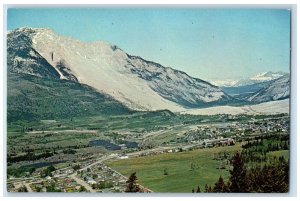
(91, 174)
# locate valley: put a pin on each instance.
(143, 142)
(87, 117)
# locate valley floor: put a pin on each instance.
(169, 152)
(273, 107)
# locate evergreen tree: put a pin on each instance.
(193, 190)
(238, 175)
(132, 186)
(270, 179)
(22, 189)
(220, 186)
(251, 178)
(206, 188)
(198, 190)
(82, 189)
(285, 146)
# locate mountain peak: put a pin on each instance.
(136, 82)
(258, 78)
(30, 30)
(267, 76)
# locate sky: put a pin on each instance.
(204, 42)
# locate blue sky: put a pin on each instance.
(205, 43)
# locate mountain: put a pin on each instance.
(135, 82)
(223, 83)
(33, 98)
(268, 76)
(277, 90)
(259, 78)
(244, 92)
(23, 58)
(245, 88)
(35, 90)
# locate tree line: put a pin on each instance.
(271, 178)
(29, 156)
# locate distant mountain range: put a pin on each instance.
(45, 68)
(264, 89)
(259, 78)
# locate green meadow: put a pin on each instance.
(176, 172)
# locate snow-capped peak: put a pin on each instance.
(267, 76)
(260, 77)
(224, 83)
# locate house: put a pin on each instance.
(91, 181)
(69, 171)
(123, 157)
(146, 190)
(68, 180)
(48, 178)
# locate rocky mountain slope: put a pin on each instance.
(133, 81)
(244, 92)
(277, 90)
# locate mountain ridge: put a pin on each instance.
(258, 78)
(132, 80)
(277, 89)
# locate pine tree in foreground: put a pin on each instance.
(132, 186)
(238, 175)
(220, 186)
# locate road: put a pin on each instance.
(27, 185)
(104, 158)
(101, 160)
(83, 183)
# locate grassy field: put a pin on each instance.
(181, 178)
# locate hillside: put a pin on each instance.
(245, 91)
(34, 98)
(276, 90)
(137, 83)
(76, 78)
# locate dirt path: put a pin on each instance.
(27, 185)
